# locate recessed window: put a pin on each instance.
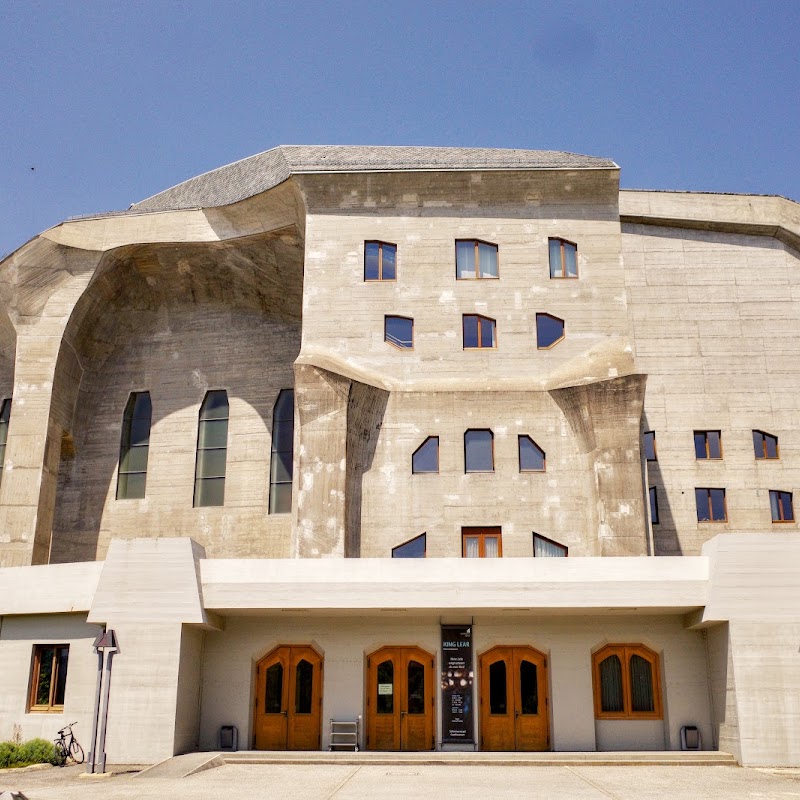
(134, 447)
(627, 683)
(414, 548)
(547, 548)
(426, 456)
(399, 331)
(281, 466)
(212, 450)
(649, 444)
(653, 505)
(48, 677)
(563, 259)
(780, 504)
(765, 445)
(475, 259)
(708, 444)
(481, 543)
(5, 415)
(549, 331)
(479, 332)
(531, 456)
(479, 451)
(380, 261)
(711, 505)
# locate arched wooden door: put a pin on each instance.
(400, 704)
(289, 699)
(514, 713)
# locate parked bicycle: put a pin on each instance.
(67, 746)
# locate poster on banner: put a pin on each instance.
(458, 677)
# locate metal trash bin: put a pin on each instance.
(229, 738)
(690, 738)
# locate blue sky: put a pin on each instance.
(110, 102)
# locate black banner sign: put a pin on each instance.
(457, 682)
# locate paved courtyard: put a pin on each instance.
(346, 782)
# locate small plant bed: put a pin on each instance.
(34, 751)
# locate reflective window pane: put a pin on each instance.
(472, 547)
(653, 505)
(371, 255)
(478, 451)
(641, 674)
(274, 693)
(389, 262)
(611, 698)
(385, 699)
(498, 690)
(209, 492)
(426, 457)
(215, 405)
(45, 682)
(555, 258)
(62, 657)
(649, 443)
(465, 259)
(213, 433)
(571, 259)
(545, 548)
(280, 498)
(549, 330)
(714, 444)
(531, 456)
(470, 323)
(399, 331)
(416, 688)
(529, 688)
(131, 486)
(211, 463)
(703, 505)
(718, 505)
(486, 332)
(415, 548)
(303, 685)
(487, 260)
(771, 445)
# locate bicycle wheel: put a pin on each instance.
(76, 752)
(61, 751)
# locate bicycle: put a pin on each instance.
(67, 746)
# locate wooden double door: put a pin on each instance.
(400, 699)
(513, 690)
(288, 712)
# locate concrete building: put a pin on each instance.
(313, 432)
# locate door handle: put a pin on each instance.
(285, 713)
(516, 714)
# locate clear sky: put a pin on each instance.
(104, 103)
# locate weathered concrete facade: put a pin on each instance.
(251, 279)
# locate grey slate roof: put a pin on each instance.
(256, 174)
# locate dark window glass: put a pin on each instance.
(549, 330)
(641, 684)
(546, 548)
(478, 451)
(653, 505)
(426, 456)
(528, 687)
(49, 680)
(781, 506)
(274, 693)
(5, 415)
(385, 700)
(416, 688)
(710, 505)
(399, 331)
(611, 684)
(707, 444)
(134, 447)
(282, 455)
(475, 259)
(649, 442)
(304, 682)
(415, 548)
(563, 259)
(45, 683)
(498, 693)
(531, 456)
(765, 445)
(212, 450)
(380, 261)
(479, 332)
(470, 323)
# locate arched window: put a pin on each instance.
(627, 682)
(212, 450)
(134, 447)
(281, 466)
(5, 415)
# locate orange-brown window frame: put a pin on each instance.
(708, 456)
(708, 490)
(483, 534)
(782, 518)
(563, 276)
(381, 245)
(480, 346)
(624, 653)
(478, 275)
(556, 341)
(386, 334)
(764, 436)
(36, 666)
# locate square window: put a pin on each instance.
(479, 451)
(481, 543)
(563, 258)
(475, 259)
(380, 261)
(765, 445)
(649, 444)
(711, 505)
(780, 504)
(708, 444)
(399, 331)
(549, 331)
(479, 332)
(48, 677)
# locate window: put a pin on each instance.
(711, 506)
(380, 261)
(281, 466)
(627, 684)
(475, 259)
(212, 450)
(413, 548)
(48, 677)
(134, 447)
(549, 331)
(481, 543)
(708, 444)
(479, 332)
(479, 451)
(547, 548)
(563, 259)
(399, 331)
(653, 505)
(5, 415)
(531, 456)
(426, 456)
(780, 504)
(649, 444)
(764, 444)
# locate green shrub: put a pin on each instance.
(8, 754)
(34, 751)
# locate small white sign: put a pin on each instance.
(384, 688)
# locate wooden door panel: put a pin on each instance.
(497, 703)
(531, 713)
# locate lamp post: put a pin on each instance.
(105, 645)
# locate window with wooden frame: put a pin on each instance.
(711, 505)
(48, 677)
(765, 445)
(708, 445)
(380, 261)
(549, 331)
(134, 447)
(212, 450)
(627, 682)
(781, 506)
(653, 505)
(649, 445)
(475, 259)
(547, 548)
(563, 258)
(399, 332)
(479, 450)
(413, 548)
(479, 332)
(281, 467)
(531, 456)
(426, 457)
(481, 543)
(5, 416)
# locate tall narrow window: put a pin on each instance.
(49, 677)
(547, 548)
(380, 261)
(765, 445)
(475, 259)
(5, 415)
(708, 444)
(780, 504)
(212, 450)
(134, 447)
(711, 506)
(479, 451)
(426, 456)
(653, 505)
(563, 259)
(649, 443)
(531, 456)
(282, 459)
(479, 332)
